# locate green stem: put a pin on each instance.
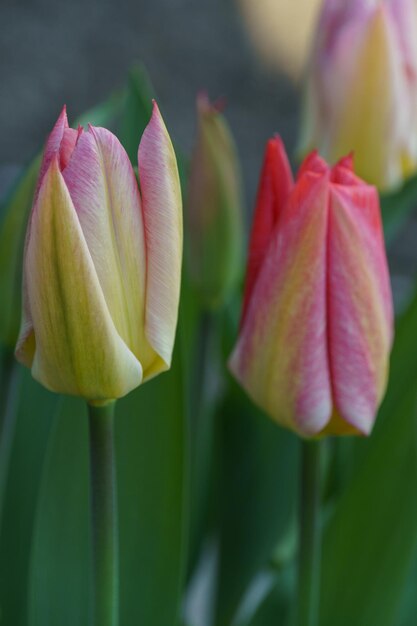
(104, 516)
(8, 410)
(310, 540)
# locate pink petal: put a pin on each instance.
(78, 350)
(313, 163)
(162, 210)
(52, 145)
(281, 356)
(360, 316)
(105, 193)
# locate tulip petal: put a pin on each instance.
(61, 133)
(287, 309)
(78, 350)
(162, 210)
(363, 106)
(52, 145)
(359, 304)
(275, 186)
(105, 193)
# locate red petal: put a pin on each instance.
(274, 188)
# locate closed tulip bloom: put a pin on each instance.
(317, 322)
(214, 208)
(362, 88)
(102, 263)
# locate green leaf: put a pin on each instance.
(258, 496)
(369, 542)
(14, 215)
(408, 609)
(34, 420)
(152, 457)
(137, 110)
(275, 607)
(60, 564)
(397, 206)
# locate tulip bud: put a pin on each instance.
(102, 263)
(214, 208)
(317, 322)
(362, 88)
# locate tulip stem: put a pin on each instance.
(104, 516)
(10, 379)
(309, 538)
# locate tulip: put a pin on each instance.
(317, 322)
(102, 263)
(362, 88)
(214, 208)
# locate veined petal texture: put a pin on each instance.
(317, 327)
(281, 354)
(102, 269)
(162, 211)
(104, 190)
(78, 349)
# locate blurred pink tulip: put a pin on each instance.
(361, 93)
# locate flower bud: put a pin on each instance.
(317, 322)
(362, 88)
(102, 263)
(214, 212)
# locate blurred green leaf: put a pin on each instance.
(137, 110)
(369, 542)
(257, 496)
(60, 561)
(373, 532)
(408, 609)
(152, 458)
(14, 215)
(397, 206)
(403, 365)
(276, 605)
(34, 420)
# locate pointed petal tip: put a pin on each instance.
(63, 118)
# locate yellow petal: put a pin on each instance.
(368, 107)
(162, 211)
(78, 350)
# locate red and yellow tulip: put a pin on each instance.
(317, 322)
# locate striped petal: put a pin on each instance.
(281, 355)
(162, 211)
(368, 101)
(359, 304)
(78, 350)
(61, 142)
(52, 145)
(275, 186)
(105, 193)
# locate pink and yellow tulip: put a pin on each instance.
(361, 91)
(102, 263)
(317, 322)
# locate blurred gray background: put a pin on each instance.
(77, 52)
